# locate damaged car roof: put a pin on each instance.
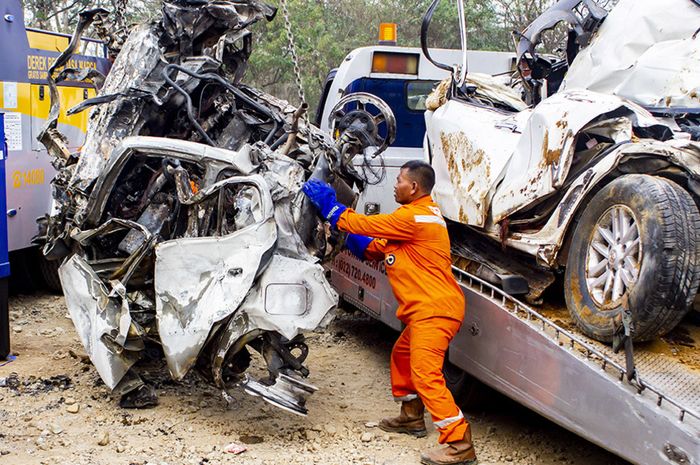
(655, 63)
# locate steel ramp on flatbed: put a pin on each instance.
(580, 383)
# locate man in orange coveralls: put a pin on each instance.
(414, 244)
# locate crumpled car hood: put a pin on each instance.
(645, 51)
(543, 155)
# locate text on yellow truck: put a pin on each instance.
(38, 65)
(28, 178)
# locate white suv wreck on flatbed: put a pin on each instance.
(593, 169)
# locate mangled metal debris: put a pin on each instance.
(181, 222)
(599, 176)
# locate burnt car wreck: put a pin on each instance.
(181, 222)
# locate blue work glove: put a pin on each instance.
(357, 244)
(323, 197)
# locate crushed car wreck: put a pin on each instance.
(180, 223)
(594, 173)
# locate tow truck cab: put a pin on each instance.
(403, 78)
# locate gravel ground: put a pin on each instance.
(60, 412)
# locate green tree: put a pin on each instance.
(271, 65)
(62, 15)
(326, 31)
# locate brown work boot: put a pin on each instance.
(410, 420)
(454, 453)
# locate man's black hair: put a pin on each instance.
(422, 173)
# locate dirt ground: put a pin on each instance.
(60, 412)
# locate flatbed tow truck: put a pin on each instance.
(648, 415)
(533, 357)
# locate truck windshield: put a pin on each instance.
(417, 93)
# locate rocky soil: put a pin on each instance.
(54, 409)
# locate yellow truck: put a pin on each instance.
(26, 57)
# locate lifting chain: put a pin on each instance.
(112, 29)
(293, 51)
(120, 12)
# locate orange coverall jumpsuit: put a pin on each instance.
(414, 244)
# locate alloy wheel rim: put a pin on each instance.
(614, 257)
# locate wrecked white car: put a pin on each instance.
(594, 169)
(180, 223)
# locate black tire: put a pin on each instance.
(25, 277)
(468, 392)
(49, 272)
(668, 274)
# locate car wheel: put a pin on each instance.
(635, 244)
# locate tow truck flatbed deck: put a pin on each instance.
(568, 378)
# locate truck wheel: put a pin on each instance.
(49, 271)
(467, 391)
(636, 243)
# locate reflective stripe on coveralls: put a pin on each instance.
(414, 244)
(448, 421)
